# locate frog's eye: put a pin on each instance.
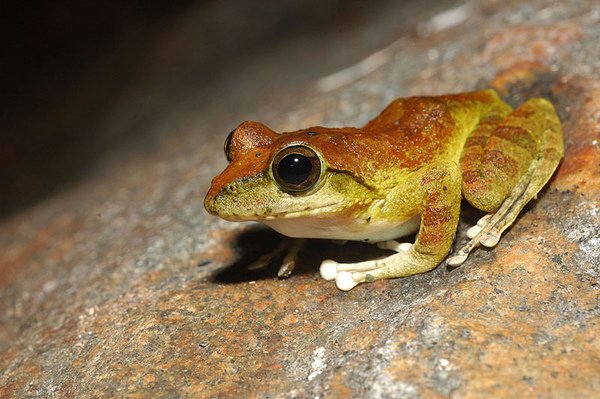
(296, 169)
(227, 147)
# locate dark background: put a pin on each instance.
(66, 63)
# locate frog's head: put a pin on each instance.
(274, 176)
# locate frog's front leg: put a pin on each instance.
(289, 246)
(395, 245)
(437, 192)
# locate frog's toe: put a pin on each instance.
(346, 275)
(395, 245)
(261, 263)
(328, 269)
(286, 268)
(490, 240)
(479, 235)
(473, 231)
(481, 223)
(457, 260)
(345, 281)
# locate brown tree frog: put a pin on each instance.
(405, 171)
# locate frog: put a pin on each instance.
(405, 171)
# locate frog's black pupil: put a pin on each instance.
(294, 168)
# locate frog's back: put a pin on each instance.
(409, 134)
(419, 129)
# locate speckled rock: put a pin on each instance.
(123, 287)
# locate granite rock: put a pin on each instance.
(122, 286)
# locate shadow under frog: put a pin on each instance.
(258, 240)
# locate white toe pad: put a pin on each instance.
(328, 269)
(473, 231)
(344, 281)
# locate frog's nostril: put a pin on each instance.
(231, 188)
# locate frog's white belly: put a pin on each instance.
(321, 228)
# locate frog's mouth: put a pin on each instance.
(268, 214)
(307, 211)
(235, 205)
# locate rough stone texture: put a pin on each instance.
(121, 286)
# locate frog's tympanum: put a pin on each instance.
(403, 172)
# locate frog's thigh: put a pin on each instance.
(514, 163)
(494, 157)
(497, 155)
(440, 188)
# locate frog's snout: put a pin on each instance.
(209, 204)
(228, 201)
(214, 201)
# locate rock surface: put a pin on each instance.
(122, 286)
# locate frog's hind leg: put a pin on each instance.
(515, 161)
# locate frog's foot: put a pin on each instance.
(291, 247)
(474, 233)
(346, 275)
(268, 258)
(349, 275)
(483, 233)
(401, 264)
(395, 245)
(289, 261)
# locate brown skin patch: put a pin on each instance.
(476, 141)
(501, 162)
(430, 240)
(246, 161)
(243, 166)
(517, 136)
(407, 134)
(435, 221)
(524, 112)
(472, 178)
(437, 215)
(250, 135)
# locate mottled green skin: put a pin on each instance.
(416, 159)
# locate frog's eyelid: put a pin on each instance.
(227, 146)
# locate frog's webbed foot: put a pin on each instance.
(349, 275)
(291, 247)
